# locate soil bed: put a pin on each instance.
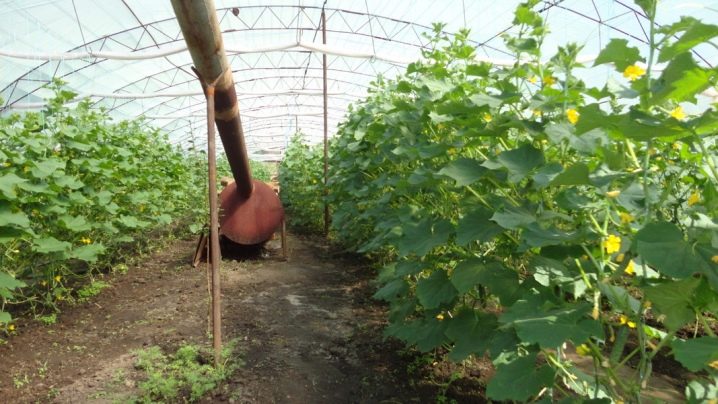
(308, 329)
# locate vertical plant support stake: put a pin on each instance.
(214, 251)
(326, 127)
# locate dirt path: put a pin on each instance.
(308, 327)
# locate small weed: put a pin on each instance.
(42, 370)
(20, 380)
(50, 319)
(187, 374)
(93, 289)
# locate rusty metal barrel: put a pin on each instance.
(250, 209)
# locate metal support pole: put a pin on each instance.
(214, 258)
(326, 127)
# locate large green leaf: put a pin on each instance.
(8, 182)
(477, 226)
(576, 174)
(694, 33)
(619, 53)
(661, 245)
(9, 282)
(10, 218)
(471, 332)
(392, 290)
(422, 237)
(48, 245)
(464, 171)
(520, 161)
(5, 317)
(513, 218)
(435, 290)
(88, 253)
(551, 326)
(620, 298)
(519, 380)
(696, 354)
(500, 281)
(674, 300)
(74, 223)
(682, 79)
(45, 168)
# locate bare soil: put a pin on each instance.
(308, 329)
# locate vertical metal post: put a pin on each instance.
(214, 258)
(326, 127)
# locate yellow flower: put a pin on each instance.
(7, 164)
(714, 259)
(630, 268)
(86, 240)
(440, 317)
(58, 278)
(613, 194)
(714, 364)
(626, 218)
(612, 244)
(647, 304)
(11, 327)
(677, 145)
(537, 113)
(572, 115)
(694, 198)
(583, 350)
(533, 79)
(487, 117)
(678, 113)
(633, 72)
(620, 257)
(43, 283)
(624, 320)
(549, 81)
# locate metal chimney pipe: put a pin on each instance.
(200, 27)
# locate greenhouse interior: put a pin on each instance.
(330, 201)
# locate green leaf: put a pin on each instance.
(513, 218)
(696, 354)
(501, 281)
(484, 99)
(681, 80)
(8, 182)
(392, 290)
(576, 174)
(673, 299)
(536, 236)
(10, 218)
(464, 171)
(520, 161)
(519, 380)
(5, 317)
(435, 290)
(471, 332)
(550, 327)
(74, 223)
(420, 238)
(88, 253)
(50, 245)
(9, 282)
(619, 53)
(477, 226)
(619, 298)
(661, 245)
(695, 33)
(45, 168)
(69, 182)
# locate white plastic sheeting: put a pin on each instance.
(128, 55)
